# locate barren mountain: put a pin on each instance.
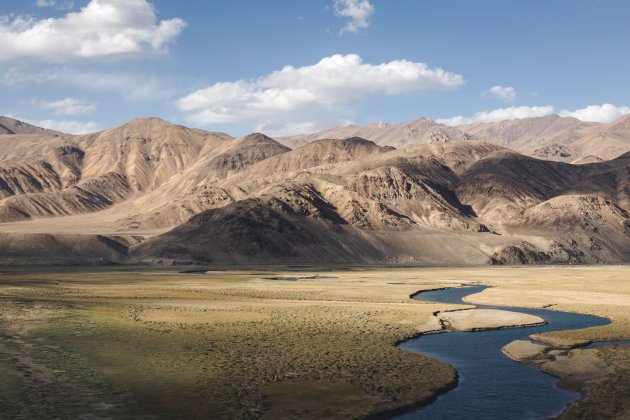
(80, 174)
(550, 137)
(421, 131)
(606, 141)
(463, 202)
(151, 191)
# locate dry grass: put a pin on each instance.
(233, 344)
(223, 344)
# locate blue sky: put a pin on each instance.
(85, 65)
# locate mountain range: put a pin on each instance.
(550, 137)
(412, 193)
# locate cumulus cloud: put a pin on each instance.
(101, 29)
(68, 106)
(312, 96)
(55, 4)
(358, 11)
(503, 93)
(597, 113)
(500, 114)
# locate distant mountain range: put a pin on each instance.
(550, 137)
(414, 193)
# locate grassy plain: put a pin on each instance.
(270, 343)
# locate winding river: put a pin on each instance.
(491, 386)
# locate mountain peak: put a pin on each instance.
(257, 137)
(148, 121)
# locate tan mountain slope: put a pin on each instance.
(13, 126)
(585, 213)
(58, 168)
(242, 153)
(177, 194)
(254, 162)
(599, 229)
(205, 185)
(505, 183)
(421, 131)
(317, 156)
(501, 186)
(147, 152)
(607, 141)
(199, 187)
(295, 223)
(549, 137)
(425, 203)
(80, 174)
(539, 136)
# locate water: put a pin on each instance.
(491, 386)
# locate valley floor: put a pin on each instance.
(267, 342)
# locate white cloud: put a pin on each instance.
(359, 12)
(317, 94)
(500, 114)
(68, 106)
(597, 113)
(131, 85)
(55, 4)
(101, 29)
(503, 93)
(65, 126)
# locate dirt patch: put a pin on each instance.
(524, 350)
(577, 369)
(487, 319)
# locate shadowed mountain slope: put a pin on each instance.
(463, 202)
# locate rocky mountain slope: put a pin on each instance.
(464, 202)
(151, 191)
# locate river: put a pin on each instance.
(491, 386)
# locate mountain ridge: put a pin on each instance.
(154, 192)
(548, 137)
